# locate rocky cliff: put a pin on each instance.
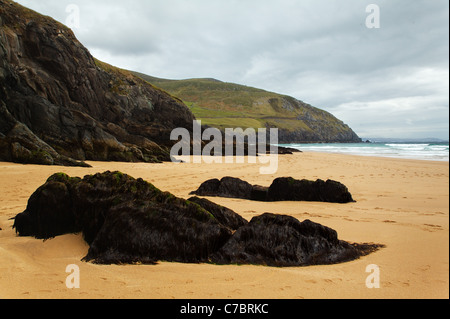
(58, 105)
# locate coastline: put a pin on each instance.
(430, 151)
(401, 203)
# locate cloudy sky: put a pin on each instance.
(390, 80)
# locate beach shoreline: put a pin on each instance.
(429, 151)
(400, 203)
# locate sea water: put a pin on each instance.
(406, 150)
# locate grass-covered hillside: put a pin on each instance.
(228, 105)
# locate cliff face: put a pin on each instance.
(316, 126)
(58, 105)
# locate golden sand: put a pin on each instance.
(403, 204)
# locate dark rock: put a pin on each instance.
(282, 189)
(23, 146)
(49, 212)
(259, 193)
(227, 187)
(60, 106)
(283, 241)
(208, 188)
(124, 220)
(157, 232)
(224, 215)
(127, 220)
(289, 189)
(234, 187)
(286, 150)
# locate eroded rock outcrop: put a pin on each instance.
(282, 241)
(223, 214)
(124, 220)
(282, 189)
(290, 189)
(127, 220)
(230, 187)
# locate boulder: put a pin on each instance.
(224, 215)
(283, 241)
(290, 189)
(124, 220)
(226, 187)
(259, 193)
(281, 189)
(127, 220)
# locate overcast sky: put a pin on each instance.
(390, 81)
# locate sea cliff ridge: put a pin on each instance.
(61, 106)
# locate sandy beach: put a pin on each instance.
(402, 204)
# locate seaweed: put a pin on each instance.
(126, 220)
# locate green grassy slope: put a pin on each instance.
(228, 105)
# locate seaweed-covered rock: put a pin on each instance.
(127, 220)
(259, 193)
(157, 232)
(282, 189)
(290, 189)
(49, 212)
(282, 241)
(226, 187)
(224, 215)
(122, 219)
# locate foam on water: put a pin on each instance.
(420, 151)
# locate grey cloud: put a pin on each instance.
(319, 51)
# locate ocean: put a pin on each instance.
(406, 150)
